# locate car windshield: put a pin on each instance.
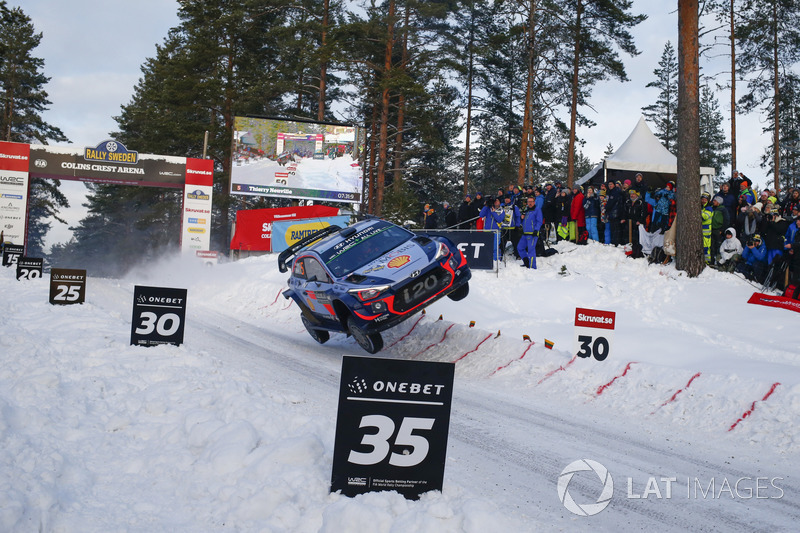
(363, 247)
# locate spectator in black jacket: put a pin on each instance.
(450, 217)
(467, 211)
(615, 206)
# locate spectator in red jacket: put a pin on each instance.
(577, 212)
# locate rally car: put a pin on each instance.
(369, 277)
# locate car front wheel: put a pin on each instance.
(460, 293)
(319, 335)
(370, 342)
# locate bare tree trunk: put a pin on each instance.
(776, 87)
(733, 92)
(689, 237)
(573, 111)
(470, 73)
(401, 107)
(323, 71)
(373, 141)
(526, 120)
(383, 143)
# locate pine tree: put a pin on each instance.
(23, 101)
(663, 114)
(769, 37)
(599, 29)
(714, 145)
(789, 143)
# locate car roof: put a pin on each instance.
(332, 240)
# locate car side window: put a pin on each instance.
(314, 270)
(299, 270)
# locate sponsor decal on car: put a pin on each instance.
(398, 262)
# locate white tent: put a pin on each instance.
(643, 152)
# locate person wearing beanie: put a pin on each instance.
(468, 212)
(720, 221)
(728, 200)
(429, 218)
(450, 216)
(754, 259)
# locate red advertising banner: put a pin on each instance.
(254, 226)
(14, 156)
(769, 300)
(593, 318)
(199, 171)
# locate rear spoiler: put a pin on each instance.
(292, 250)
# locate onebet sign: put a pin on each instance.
(594, 332)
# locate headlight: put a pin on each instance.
(455, 260)
(368, 294)
(443, 251)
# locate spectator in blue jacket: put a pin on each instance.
(492, 218)
(531, 224)
(754, 266)
(591, 205)
(729, 200)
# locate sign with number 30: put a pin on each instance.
(594, 332)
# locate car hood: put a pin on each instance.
(395, 265)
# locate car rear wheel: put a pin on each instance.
(319, 335)
(460, 293)
(370, 342)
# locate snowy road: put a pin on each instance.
(511, 449)
(234, 429)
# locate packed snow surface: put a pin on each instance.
(234, 429)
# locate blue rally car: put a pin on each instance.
(368, 277)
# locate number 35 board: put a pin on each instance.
(158, 316)
(594, 333)
(392, 426)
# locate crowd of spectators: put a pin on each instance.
(753, 233)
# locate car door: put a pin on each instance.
(316, 286)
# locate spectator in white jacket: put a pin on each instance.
(730, 251)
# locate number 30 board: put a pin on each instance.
(594, 333)
(392, 426)
(158, 316)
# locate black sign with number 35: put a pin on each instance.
(392, 426)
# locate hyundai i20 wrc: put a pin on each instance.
(369, 277)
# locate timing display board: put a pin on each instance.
(297, 159)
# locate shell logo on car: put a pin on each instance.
(397, 262)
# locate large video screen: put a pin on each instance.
(295, 159)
